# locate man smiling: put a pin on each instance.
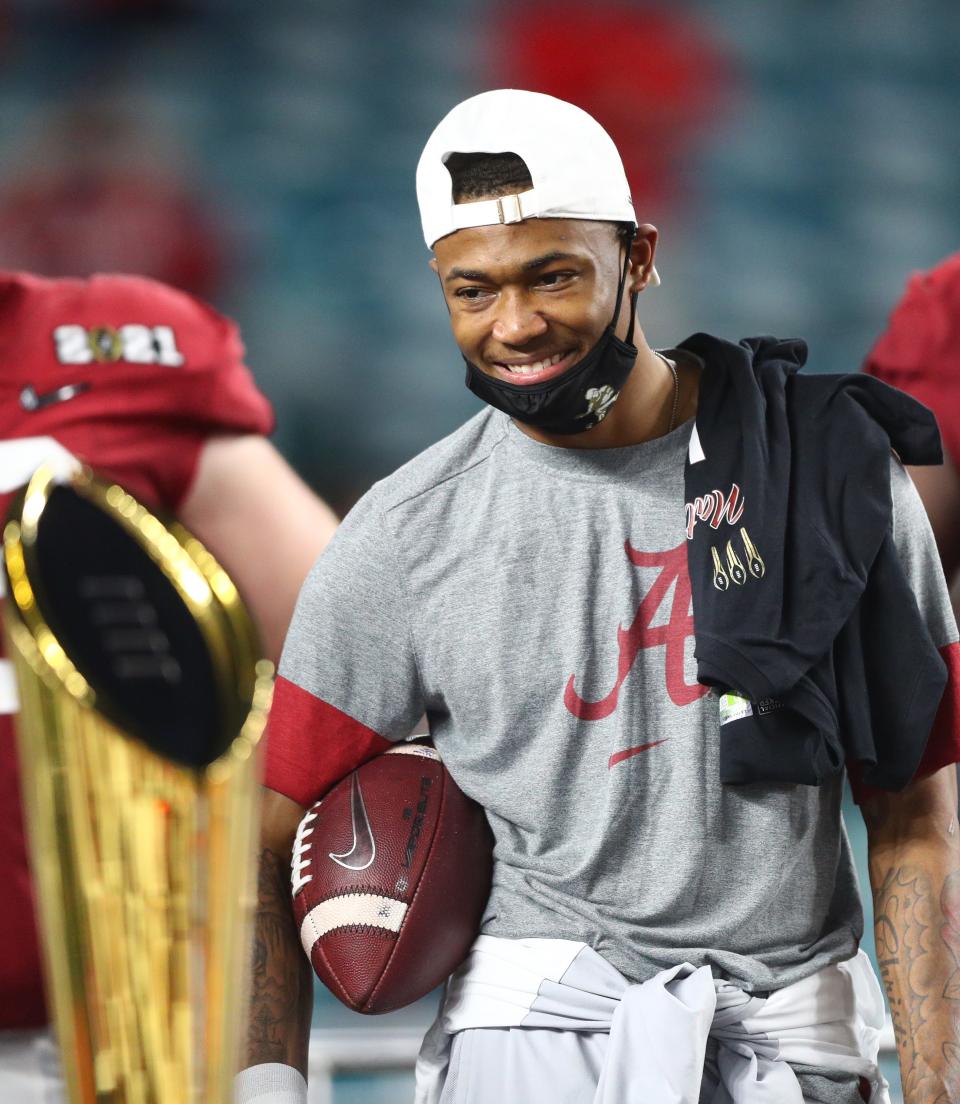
(674, 914)
(540, 301)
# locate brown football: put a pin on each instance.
(390, 875)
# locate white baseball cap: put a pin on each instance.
(574, 165)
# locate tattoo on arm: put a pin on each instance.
(950, 934)
(902, 930)
(281, 989)
(918, 951)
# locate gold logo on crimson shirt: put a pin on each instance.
(134, 343)
(105, 344)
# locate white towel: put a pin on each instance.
(659, 1029)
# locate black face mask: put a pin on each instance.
(578, 399)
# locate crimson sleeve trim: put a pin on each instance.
(312, 745)
(943, 743)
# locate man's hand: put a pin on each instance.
(281, 991)
(915, 874)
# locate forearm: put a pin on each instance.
(916, 882)
(281, 989)
(262, 523)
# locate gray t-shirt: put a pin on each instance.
(534, 602)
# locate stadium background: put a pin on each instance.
(800, 158)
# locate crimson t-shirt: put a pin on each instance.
(919, 351)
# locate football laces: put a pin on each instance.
(300, 859)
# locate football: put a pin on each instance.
(390, 875)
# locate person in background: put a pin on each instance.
(101, 187)
(148, 386)
(919, 352)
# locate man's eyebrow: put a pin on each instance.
(548, 258)
(527, 266)
(466, 274)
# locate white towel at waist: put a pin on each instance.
(659, 1029)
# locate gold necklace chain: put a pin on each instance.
(676, 388)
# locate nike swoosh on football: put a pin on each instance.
(364, 848)
(618, 757)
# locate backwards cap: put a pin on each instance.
(573, 163)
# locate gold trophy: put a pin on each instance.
(142, 706)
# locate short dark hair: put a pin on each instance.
(491, 175)
(487, 175)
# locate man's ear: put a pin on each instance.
(642, 253)
(436, 269)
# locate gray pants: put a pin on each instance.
(500, 1065)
